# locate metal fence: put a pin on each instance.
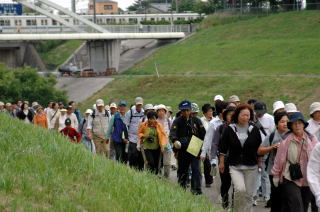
(186, 28)
(266, 9)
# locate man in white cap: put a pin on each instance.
(218, 98)
(133, 119)
(278, 107)
(113, 108)
(97, 127)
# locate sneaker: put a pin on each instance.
(255, 202)
(268, 205)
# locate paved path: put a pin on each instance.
(78, 89)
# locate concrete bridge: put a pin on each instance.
(103, 46)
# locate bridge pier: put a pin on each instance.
(104, 55)
(18, 54)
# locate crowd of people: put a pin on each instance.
(245, 151)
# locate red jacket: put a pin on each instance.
(72, 133)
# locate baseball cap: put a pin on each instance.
(184, 105)
(122, 103)
(67, 122)
(260, 107)
(218, 97)
(99, 102)
(63, 110)
(113, 105)
(139, 101)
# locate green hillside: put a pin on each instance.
(269, 58)
(42, 171)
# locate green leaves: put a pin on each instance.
(26, 84)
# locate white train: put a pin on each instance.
(40, 20)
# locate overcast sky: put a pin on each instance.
(123, 4)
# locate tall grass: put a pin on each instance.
(43, 171)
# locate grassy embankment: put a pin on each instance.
(53, 56)
(267, 58)
(43, 171)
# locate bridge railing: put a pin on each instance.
(186, 28)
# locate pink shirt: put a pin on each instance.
(281, 158)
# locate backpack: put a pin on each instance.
(132, 116)
(106, 114)
(118, 129)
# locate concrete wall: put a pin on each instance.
(18, 54)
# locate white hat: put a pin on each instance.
(107, 107)
(63, 110)
(234, 98)
(99, 102)
(290, 108)
(34, 104)
(278, 105)
(218, 97)
(314, 107)
(89, 111)
(113, 105)
(1, 104)
(161, 106)
(139, 101)
(148, 107)
(94, 106)
(8, 104)
(169, 109)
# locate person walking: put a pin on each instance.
(314, 129)
(40, 119)
(97, 127)
(76, 111)
(60, 120)
(25, 113)
(52, 114)
(313, 173)
(183, 129)
(269, 147)
(265, 123)
(153, 140)
(72, 116)
(71, 132)
(164, 120)
(133, 119)
(83, 131)
(240, 141)
(118, 132)
(290, 166)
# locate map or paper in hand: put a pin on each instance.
(195, 146)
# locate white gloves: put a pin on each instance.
(139, 146)
(177, 144)
(275, 182)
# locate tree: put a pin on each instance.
(26, 84)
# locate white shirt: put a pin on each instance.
(313, 173)
(206, 148)
(267, 122)
(62, 120)
(314, 128)
(205, 122)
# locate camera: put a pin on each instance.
(150, 139)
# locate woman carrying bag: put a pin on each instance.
(290, 166)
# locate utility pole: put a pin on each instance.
(73, 6)
(177, 6)
(94, 12)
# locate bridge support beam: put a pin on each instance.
(104, 55)
(18, 54)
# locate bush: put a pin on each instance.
(26, 84)
(45, 46)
